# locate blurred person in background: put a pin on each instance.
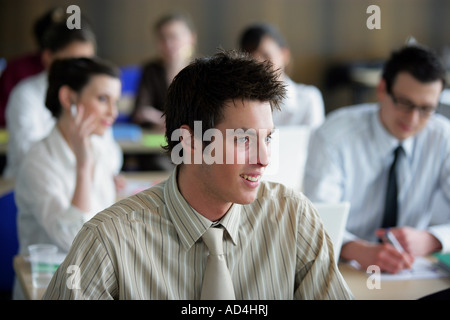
(27, 65)
(359, 148)
(28, 120)
(176, 42)
(303, 104)
(68, 176)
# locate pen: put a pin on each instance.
(393, 240)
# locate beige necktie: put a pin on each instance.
(217, 284)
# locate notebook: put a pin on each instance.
(334, 217)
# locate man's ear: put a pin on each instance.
(187, 139)
(188, 144)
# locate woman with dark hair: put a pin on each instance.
(28, 120)
(68, 177)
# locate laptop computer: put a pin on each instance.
(289, 149)
(334, 217)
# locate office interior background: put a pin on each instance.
(331, 46)
(328, 38)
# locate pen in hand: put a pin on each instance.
(393, 240)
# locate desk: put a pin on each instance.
(150, 143)
(22, 267)
(6, 185)
(390, 290)
(146, 145)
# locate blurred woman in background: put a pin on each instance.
(66, 178)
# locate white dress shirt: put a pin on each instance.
(349, 158)
(44, 189)
(28, 120)
(303, 105)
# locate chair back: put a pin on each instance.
(9, 243)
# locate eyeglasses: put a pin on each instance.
(407, 106)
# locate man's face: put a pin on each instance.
(238, 181)
(406, 90)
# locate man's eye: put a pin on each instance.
(242, 140)
(427, 109)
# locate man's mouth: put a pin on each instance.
(253, 178)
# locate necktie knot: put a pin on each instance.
(213, 240)
(397, 152)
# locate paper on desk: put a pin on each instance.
(422, 268)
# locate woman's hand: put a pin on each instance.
(81, 129)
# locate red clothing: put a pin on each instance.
(15, 71)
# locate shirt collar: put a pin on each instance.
(189, 224)
(231, 220)
(60, 145)
(387, 142)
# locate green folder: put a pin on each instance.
(154, 140)
(4, 136)
(443, 261)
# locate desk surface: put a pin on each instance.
(390, 290)
(22, 267)
(146, 145)
(6, 185)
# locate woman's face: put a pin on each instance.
(99, 98)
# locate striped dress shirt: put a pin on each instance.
(149, 246)
(349, 159)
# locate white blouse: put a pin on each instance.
(303, 105)
(44, 189)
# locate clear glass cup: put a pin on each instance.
(42, 258)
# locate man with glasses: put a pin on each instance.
(391, 160)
